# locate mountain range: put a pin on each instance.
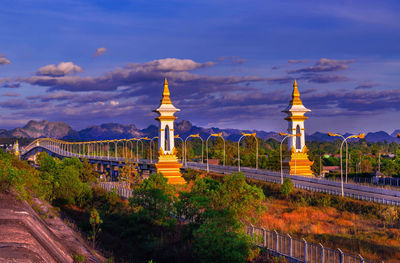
(61, 130)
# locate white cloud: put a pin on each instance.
(62, 69)
(4, 60)
(114, 102)
(100, 51)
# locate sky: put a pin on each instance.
(229, 64)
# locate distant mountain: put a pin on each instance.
(110, 131)
(36, 129)
(321, 137)
(394, 134)
(380, 137)
(61, 130)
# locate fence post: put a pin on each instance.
(252, 231)
(290, 246)
(264, 237)
(276, 241)
(340, 255)
(361, 258)
(305, 251)
(322, 252)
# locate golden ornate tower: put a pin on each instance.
(168, 164)
(297, 163)
(16, 148)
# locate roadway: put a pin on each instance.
(314, 184)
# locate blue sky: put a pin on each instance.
(230, 64)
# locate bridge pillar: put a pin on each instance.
(168, 164)
(297, 163)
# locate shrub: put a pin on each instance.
(78, 258)
(287, 187)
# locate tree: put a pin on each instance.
(95, 221)
(390, 214)
(154, 198)
(236, 195)
(129, 174)
(88, 173)
(219, 239)
(48, 168)
(287, 187)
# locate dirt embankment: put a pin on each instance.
(27, 237)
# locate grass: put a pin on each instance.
(356, 227)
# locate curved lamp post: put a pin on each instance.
(360, 136)
(151, 148)
(347, 150)
(214, 135)
(183, 148)
(248, 135)
(145, 139)
(280, 149)
(131, 150)
(137, 148)
(202, 146)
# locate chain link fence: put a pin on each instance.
(299, 250)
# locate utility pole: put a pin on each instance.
(320, 165)
(349, 163)
(379, 162)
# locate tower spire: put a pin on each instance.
(167, 163)
(297, 162)
(165, 96)
(295, 95)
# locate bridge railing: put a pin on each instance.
(57, 150)
(119, 188)
(299, 250)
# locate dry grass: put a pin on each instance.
(349, 231)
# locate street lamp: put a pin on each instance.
(202, 146)
(347, 151)
(214, 135)
(146, 139)
(151, 149)
(250, 135)
(361, 136)
(183, 146)
(280, 150)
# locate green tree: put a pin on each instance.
(95, 222)
(287, 187)
(129, 174)
(219, 239)
(154, 198)
(88, 173)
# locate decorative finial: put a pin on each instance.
(296, 95)
(166, 99)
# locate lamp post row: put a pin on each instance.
(98, 147)
(68, 147)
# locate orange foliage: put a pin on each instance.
(282, 216)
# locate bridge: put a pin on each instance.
(110, 160)
(111, 155)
